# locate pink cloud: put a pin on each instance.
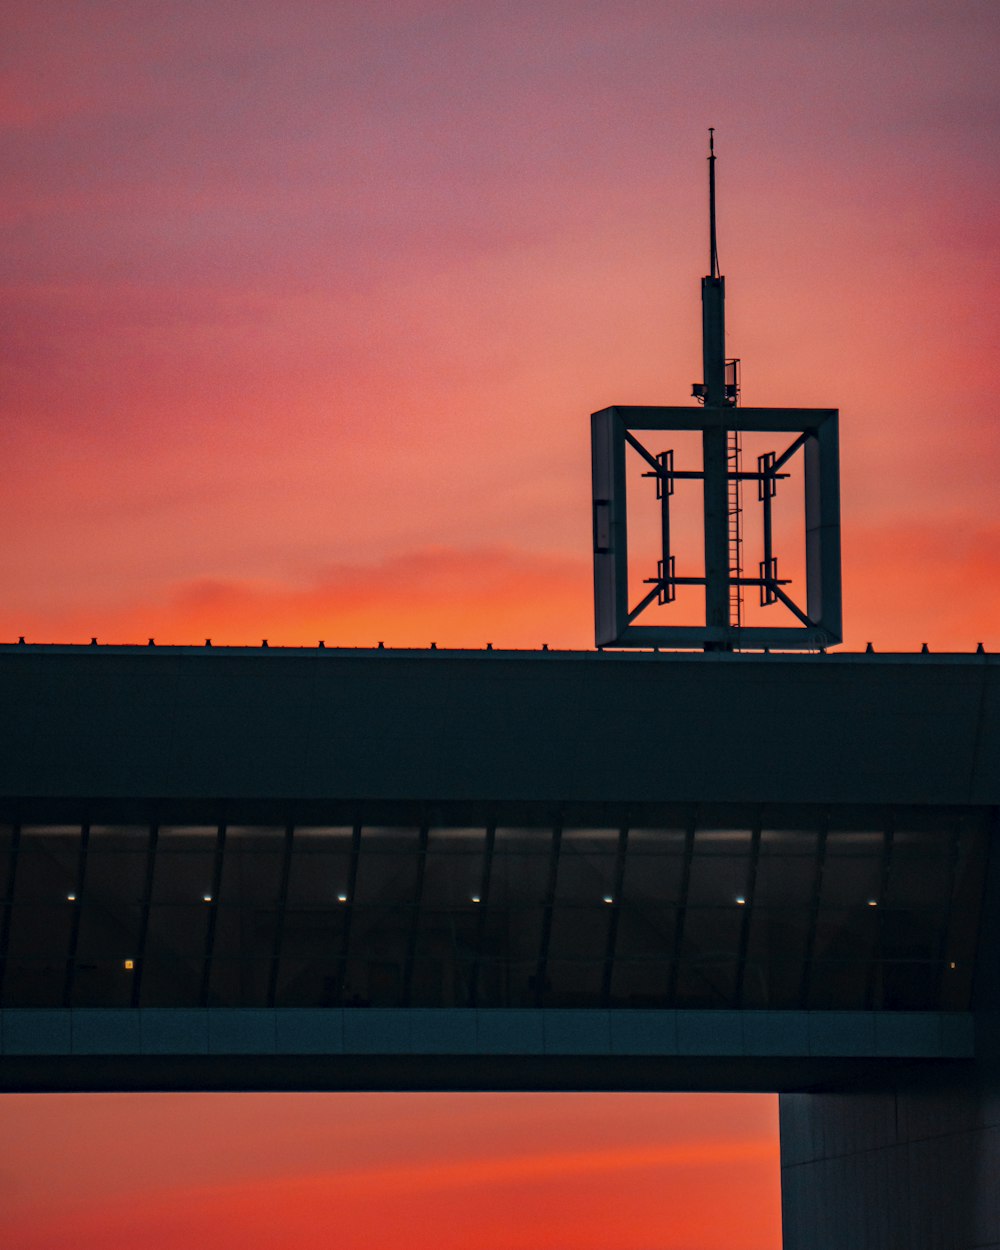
(450, 596)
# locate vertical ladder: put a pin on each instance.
(735, 499)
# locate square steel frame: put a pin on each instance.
(612, 617)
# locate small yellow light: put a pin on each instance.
(70, 898)
(741, 901)
(341, 898)
(953, 965)
(129, 965)
(475, 898)
(872, 903)
(206, 898)
(608, 898)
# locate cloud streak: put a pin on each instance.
(453, 597)
(578, 1198)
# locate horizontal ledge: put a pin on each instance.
(553, 1032)
(763, 420)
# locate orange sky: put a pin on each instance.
(441, 1171)
(305, 308)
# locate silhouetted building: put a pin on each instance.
(459, 829)
(236, 869)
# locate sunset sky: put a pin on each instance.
(362, 1171)
(305, 307)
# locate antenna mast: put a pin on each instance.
(721, 445)
(713, 254)
(714, 392)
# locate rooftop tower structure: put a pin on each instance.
(615, 430)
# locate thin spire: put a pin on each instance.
(713, 246)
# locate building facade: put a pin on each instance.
(321, 868)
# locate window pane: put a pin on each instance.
(244, 932)
(102, 983)
(320, 868)
(453, 869)
(375, 970)
(722, 841)
(778, 938)
(532, 842)
(787, 842)
(108, 933)
(507, 982)
(640, 983)
(38, 947)
(920, 877)
(107, 838)
(237, 982)
(657, 841)
(6, 841)
(709, 956)
(382, 916)
(864, 842)
(312, 947)
(907, 985)
(519, 882)
(448, 940)
(587, 859)
(40, 932)
(47, 863)
(251, 867)
(174, 963)
(574, 982)
(34, 983)
(645, 932)
(718, 880)
(580, 932)
(784, 880)
(581, 916)
(432, 984)
(177, 931)
(841, 984)
(110, 916)
(114, 878)
(706, 981)
(519, 878)
(108, 938)
(387, 867)
(851, 881)
(841, 971)
(651, 880)
(185, 864)
(171, 982)
(452, 841)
